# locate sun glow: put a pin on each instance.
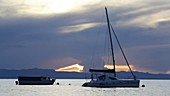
(168, 72)
(119, 67)
(54, 6)
(71, 68)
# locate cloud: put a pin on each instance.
(77, 28)
(151, 58)
(60, 62)
(168, 72)
(71, 68)
(146, 14)
(120, 67)
(152, 19)
(42, 7)
(38, 38)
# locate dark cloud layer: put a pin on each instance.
(35, 41)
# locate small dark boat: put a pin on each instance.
(34, 80)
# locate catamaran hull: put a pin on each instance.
(116, 83)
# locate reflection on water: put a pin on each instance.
(72, 87)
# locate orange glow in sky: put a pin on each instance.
(119, 67)
(72, 68)
(79, 68)
(168, 72)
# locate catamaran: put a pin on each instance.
(105, 79)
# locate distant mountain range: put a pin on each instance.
(9, 74)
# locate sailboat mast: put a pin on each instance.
(111, 43)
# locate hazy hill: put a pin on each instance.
(6, 73)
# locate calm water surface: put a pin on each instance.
(152, 88)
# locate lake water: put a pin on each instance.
(152, 88)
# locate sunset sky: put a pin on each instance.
(57, 33)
